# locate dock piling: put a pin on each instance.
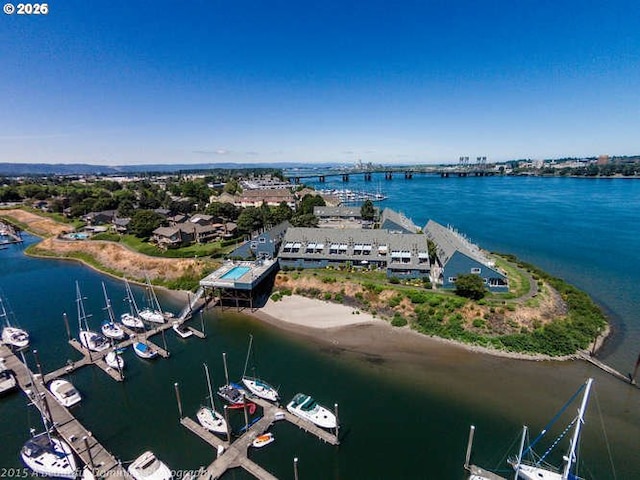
(66, 324)
(467, 457)
(335, 407)
(295, 468)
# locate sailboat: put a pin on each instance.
(208, 417)
(527, 465)
(110, 328)
(46, 454)
(88, 339)
(231, 392)
(257, 386)
(114, 360)
(14, 336)
(131, 318)
(7, 378)
(153, 312)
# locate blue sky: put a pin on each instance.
(134, 82)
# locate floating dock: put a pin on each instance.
(235, 455)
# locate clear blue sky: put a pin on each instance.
(134, 82)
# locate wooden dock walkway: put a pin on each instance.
(235, 455)
(82, 442)
(606, 368)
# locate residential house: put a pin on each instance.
(262, 245)
(455, 255)
(396, 222)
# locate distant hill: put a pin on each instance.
(18, 169)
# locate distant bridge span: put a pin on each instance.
(390, 173)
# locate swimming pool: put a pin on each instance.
(235, 273)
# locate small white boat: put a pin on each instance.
(181, 330)
(143, 351)
(255, 385)
(7, 378)
(307, 408)
(151, 316)
(11, 335)
(263, 440)
(110, 328)
(90, 340)
(65, 393)
(208, 417)
(153, 313)
(114, 360)
(148, 467)
(49, 456)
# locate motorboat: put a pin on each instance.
(208, 417)
(143, 350)
(307, 408)
(257, 386)
(49, 456)
(90, 340)
(65, 393)
(131, 318)
(181, 330)
(114, 360)
(148, 467)
(232, 393)
(7, 379)
(110, 328)
(12, 335)
(529, 466)
(263, 440)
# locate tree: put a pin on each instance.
(250, 220)
(367, 210)
(144, 222)
(470, 285)
(308, 202)
(305, 220)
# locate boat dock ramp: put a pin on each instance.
(12, 234)
(235, 455)
(85, 446)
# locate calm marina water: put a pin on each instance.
(404, 418)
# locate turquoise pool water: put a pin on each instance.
(235, 273)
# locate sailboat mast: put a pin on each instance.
(246, 362)
(571, 456)
(519, 459)
(112, 318)
(206, 371)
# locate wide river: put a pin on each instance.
(402, 418)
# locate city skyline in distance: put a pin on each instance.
(253, 83)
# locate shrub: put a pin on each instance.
(398, 321)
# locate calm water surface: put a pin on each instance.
(402, 419)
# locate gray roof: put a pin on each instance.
(398, 219)
(328, 211)
(448, 242)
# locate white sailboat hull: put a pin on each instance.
(49, 458)
(260, 389)
(152, 316)
(114, 360)
(211, 420)
(112, 330)
(93, 341)
(15, 337)
(528, 472)
(130, 321)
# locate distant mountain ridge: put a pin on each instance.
(17, 169)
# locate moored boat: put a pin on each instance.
(90, 340)
(47, 455)
(527, 465)
(114, 360)
(110, 328)
(65, 393)
(131, 319)
(208, 417)
(12, 335)
(255, 385)
(307, 408)
(7, 378)
(263, 440)
(153, 312)
(148, 467)
(143, 350)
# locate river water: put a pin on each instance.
(403, 418)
